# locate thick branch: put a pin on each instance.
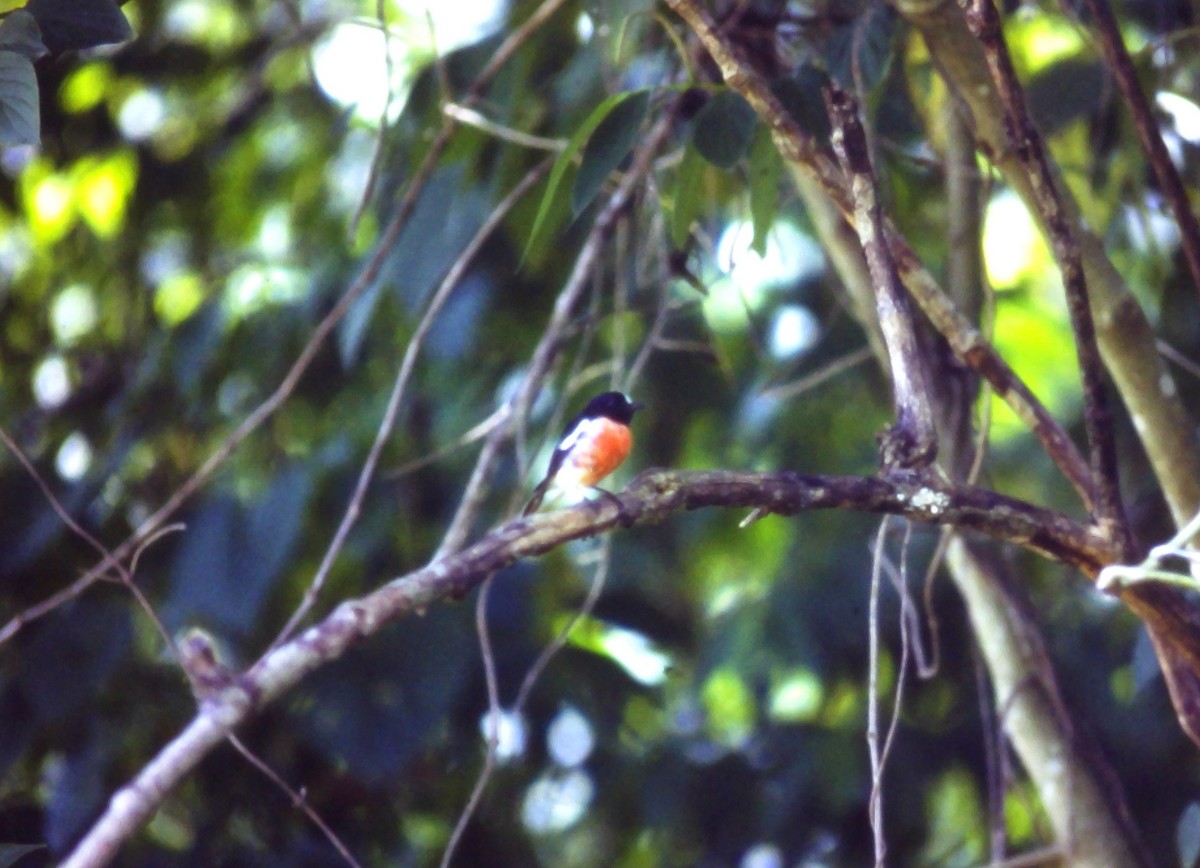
(651, 498)
(803, 155)
(1125, 336)
(1083, 804)
(911, 442)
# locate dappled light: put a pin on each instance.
(299, 302)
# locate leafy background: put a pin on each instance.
(189, 215)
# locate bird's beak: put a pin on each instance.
(635, 406)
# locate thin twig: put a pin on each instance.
(549, 345)
(123, 576)
(875, 802)
(290, 380)
(476, 120)
(298, 799)
(492, 735)
(908, 620)
(368, 192)
(595, 589)
(925, 658)
(822, 374)
(1149, 135)
(476, 432)
(1169, 352)
(993, 755)
(441, 295)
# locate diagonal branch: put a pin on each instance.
(1125, 334)
(450, 281)
(1148, 133)
(652, 497)
(1026, 142)
(806, 157)
(517, 407)
(308, 354)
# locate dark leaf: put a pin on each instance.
(550, 203)
(19, 32)
(20, 120)
(353, 328)
(76, 790)
(11, 853)
(231, 557)
(69, 25)
(724, 129)
(448, 214)
(374, 708)
(766, 169)
(865, 46)
(801, 97)
(273, 526)
(73, 655)
(608, 145)
(688, 195)
(1066, 91)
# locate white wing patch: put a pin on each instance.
(569, 486)
(585, 428)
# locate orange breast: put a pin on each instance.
(609, 447)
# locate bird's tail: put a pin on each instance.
(538, 494)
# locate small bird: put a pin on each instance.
(593, 445)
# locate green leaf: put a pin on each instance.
(69, 25)
(801, 96)
(1066, 91)
(20, 120)
(19, 33)
(563, 164)
(766, 168)
(688, 195)
(724, 128)
(866, 44)
(609, 144)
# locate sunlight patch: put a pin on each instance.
(352, 61)
(791, 257)
(73, 458)
(636, 654)
(556, 801)
(73, 314)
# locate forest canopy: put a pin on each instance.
(297, 300)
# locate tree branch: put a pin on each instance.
(1119, 62)
(911, 443)
(805, 158)
(651, 498)
(266, 409)
(1023, 138)
(1125, 336)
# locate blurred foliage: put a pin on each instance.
(190, 215)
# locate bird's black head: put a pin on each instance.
(612, 405)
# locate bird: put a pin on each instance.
(592, 446)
